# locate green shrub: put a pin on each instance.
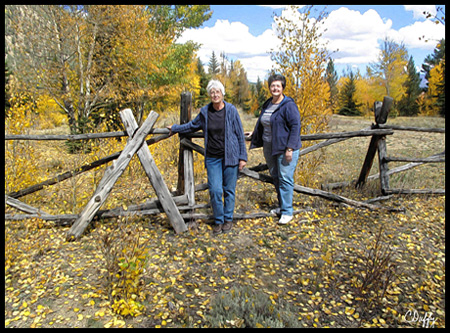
(245, 307)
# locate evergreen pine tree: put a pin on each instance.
(332, 79)
(349, 106)
(202, 98)
(408, 105)
(213, 65)
(260, 96)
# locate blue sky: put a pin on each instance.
(354, 33)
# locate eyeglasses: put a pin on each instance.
(215, 93)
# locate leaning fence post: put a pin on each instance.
(112, 173)
(154, 175)
(381, 111)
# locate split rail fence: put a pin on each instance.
(183, 199)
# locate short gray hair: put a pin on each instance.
(215, 84)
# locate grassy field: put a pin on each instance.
(333, 266)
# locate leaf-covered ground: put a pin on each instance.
(332, 266)
(325, 269)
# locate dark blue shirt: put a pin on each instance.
(235, 148)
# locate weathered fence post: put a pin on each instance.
(186, 157)
(112, 173)
(154, 175)
(381, 111)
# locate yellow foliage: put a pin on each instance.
(21, 163)
(429, 103)
(49, 112)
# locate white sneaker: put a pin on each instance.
(284, 219)
(276, 211)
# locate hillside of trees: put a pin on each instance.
(91, 61)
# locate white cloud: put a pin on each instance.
(419, 9)
(417, 34)
(237, 42)
(355, 39)
(352, 36)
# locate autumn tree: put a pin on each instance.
(434, 69)
(408, 105)
(96, 59)
(389, 72)
(302, 59)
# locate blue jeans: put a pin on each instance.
(221, 182)
(282, 173)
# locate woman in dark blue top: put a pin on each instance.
(225, 152)
(278, 132)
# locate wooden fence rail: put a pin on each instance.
(183, 199)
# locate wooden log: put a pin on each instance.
(148, 208)
(238, 216)
(111, 175)
(415, 160)
(341, 135)
(319, 193)
(186, 182)
(75, 137)
(381, 114)
(431, 159)
(185, 117)
(325, 136)
(383, 166)
(368, 161)
(77, 171)
(60, 220)
(153, 204)
(154, 175)
(189, 144)
(415, 191)
(22, 206)
(189, 185)
(414, 129)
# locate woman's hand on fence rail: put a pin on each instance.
(242, 164)
(170, 130)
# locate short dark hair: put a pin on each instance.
(277, 77)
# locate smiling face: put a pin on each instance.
(216, 96)
(276, 89)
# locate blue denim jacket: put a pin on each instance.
(285, 123)
(235, 148)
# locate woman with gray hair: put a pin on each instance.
(225, 152)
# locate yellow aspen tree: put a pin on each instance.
(302, 59)
(430, 107)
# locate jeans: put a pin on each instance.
(282, 173)
(221, 182)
